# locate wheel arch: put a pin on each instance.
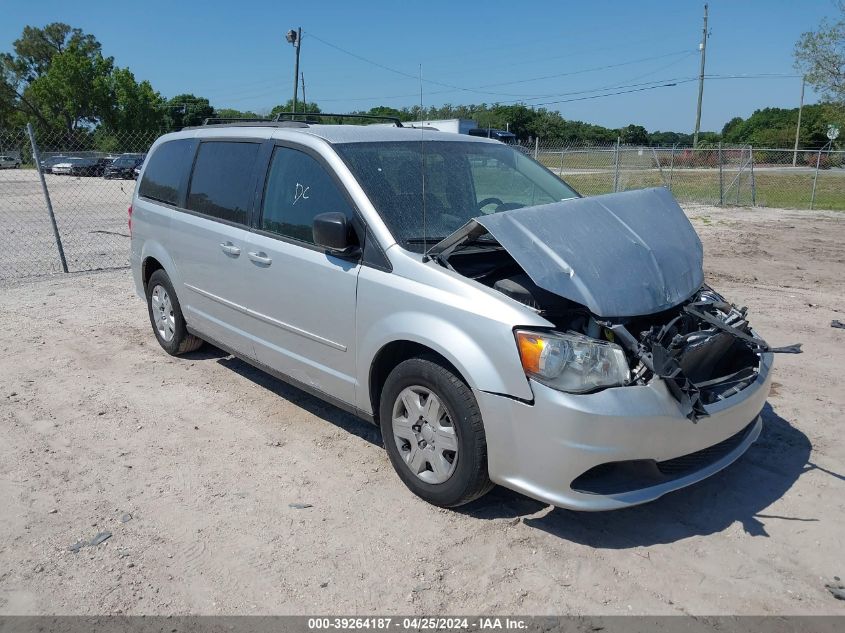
(154, 257)
(148, 267)
(390, 356)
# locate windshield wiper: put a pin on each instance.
(424, 240)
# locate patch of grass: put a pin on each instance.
(773, 189)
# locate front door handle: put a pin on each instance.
(260, 258)
(230, 249)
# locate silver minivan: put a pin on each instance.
(500, 328)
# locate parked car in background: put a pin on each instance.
(124, 166)
(61, 167)
(499, 135)
(497, 326)
(76, 166)
(48, 162)
(9, 162)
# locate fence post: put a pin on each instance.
(672, 165)
(815, 179)
(721, 180)
(536, 147)
(616, 166)
(659, 166)
(37, 158)
(753, 182)
(562, 152)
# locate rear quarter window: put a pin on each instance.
(165, 169)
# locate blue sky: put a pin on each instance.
(235, 53)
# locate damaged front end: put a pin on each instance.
(620, 277)
(704, 350)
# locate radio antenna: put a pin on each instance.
(422, 164)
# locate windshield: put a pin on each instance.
(463, 180)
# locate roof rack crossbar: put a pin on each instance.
(214, 120)
(307, 115)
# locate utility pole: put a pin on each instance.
(798, 127)
(295, 38)
(304, 100)
(703, 48)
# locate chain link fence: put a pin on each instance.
(77, 221)
(720, 175)
(78, 214)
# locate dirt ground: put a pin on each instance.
(192, 464)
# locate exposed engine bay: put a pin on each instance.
(703, 348)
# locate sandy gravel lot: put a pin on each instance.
(191, 465)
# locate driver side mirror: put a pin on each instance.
(333, 232)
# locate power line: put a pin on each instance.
(627, 46)
(627, 84)
(662, 82)
(755, 76)
(672, 80)
(478, 89)
(621, 92)
(588, 70)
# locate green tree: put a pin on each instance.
(31, 87)
(665, 139)
(633, 135)
(73, 90)
(515, 118)
(732, 129)
(132, 115)
(402, 115)
(775, 127)
(300, 107)
(231, 113)
(185, 110)
(820, 57)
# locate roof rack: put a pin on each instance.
(318, 115)
(245, 122)
(214, 120)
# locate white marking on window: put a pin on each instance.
(300, 193)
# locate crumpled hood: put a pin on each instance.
(619, 254)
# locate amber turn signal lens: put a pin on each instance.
(530, 348)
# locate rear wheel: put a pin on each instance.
(433, 433)
(166, 317)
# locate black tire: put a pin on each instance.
(470, 479)
(182, 341)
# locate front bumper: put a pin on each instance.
(540, 449)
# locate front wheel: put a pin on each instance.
(166, 316)
(433, 433)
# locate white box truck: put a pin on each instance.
(465, 126)
(456, 126)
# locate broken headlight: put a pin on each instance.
(571, 362)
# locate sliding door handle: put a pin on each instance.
(230, 249)
(260, 258)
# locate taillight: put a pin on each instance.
(129, 210)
